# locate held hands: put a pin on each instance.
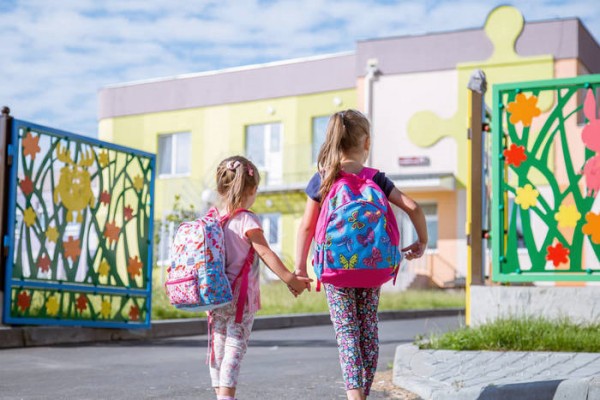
(415, 250)
(300, 282)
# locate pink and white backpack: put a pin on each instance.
(356, 235)
(196, 278)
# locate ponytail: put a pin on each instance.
(236, 177)
(344, 132)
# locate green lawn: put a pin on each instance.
(276, 299)
(512, 334)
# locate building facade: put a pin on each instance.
(413, 88)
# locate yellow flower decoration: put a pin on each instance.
(592, 228)
(138, 183)
(523, 109)
(104, 268)
(52, 305)
(52, 234)
(29, 217)
(526, 196)
(103, 159)
(567, 216)
(106, 309)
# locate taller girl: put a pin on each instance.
(353, 308)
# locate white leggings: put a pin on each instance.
(229, 342)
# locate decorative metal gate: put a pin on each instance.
(546, 177)
(79, 230)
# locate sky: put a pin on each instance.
(55, 56)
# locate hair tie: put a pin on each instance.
(342, 115)
(250, 170)
(232, 165)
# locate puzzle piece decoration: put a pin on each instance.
(503, 27)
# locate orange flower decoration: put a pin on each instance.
(515, 155)
(72, 248)
(558, 254)
(134, 266)
(127, 213)
(23, 301)
(105, 197)
(592, 228)
(112, 231)
(523, 109)
(31, 145)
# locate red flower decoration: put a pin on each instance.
(72, 248)
(105, 197)
(558, 254)
(23, 301)
(44, 263)
(82, 302)
(127, 213)
(515, 155)
(134, 267)
(26, 185)
(134, 313)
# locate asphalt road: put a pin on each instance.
(290, 364)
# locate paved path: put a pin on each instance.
(290, 364)
(491, 375)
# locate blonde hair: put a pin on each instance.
(236, 177)
(345, 132)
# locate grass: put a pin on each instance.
(277, 300)
(526, 334)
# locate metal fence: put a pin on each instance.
(546, 178)
(78, 230)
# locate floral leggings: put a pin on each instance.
(228, 343)
(354, 315)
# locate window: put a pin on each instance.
(271, 229)
(407, 230)
(174, 154)
(319, 128)
(263, 148)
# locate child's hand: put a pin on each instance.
(298, 284)
(303, 274)
(415, 250)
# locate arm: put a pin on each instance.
(415, 213)
(260, 245)
(306, 232)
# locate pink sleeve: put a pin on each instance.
(250, 222)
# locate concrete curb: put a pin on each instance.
(29, 336)
(452, 375)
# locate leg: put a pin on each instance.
(236, 345)
(367, 301)
(342, 309)
(218, 330)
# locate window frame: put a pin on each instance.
(174, 156)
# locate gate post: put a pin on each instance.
(475, 255)
(5, 162)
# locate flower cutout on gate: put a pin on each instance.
(52, 306)
(31, 145)
(515, 155)
(558, 254)
(105, 309)
(592, 228)
(567, 216)
(526, 196)
(523, 109)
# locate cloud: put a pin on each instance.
(57, 55)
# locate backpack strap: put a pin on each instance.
(242, 278)
(368, 173)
